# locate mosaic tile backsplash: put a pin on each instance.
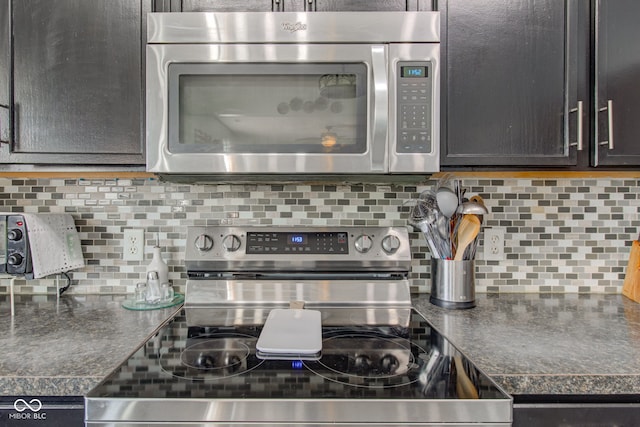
(563, 235)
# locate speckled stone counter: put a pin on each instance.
(529, 343)
(548, 343)
(65, 347)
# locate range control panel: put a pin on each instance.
(271, 248)
(336, 242)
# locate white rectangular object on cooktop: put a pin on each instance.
(291, 334)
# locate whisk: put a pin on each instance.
(424, 216)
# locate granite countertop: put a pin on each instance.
(528, 343)
(548, 343)
(65, 346)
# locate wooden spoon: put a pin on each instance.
(467, 231)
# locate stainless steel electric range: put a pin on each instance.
(380, 362)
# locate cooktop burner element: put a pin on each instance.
(214, 358)
(381, 362)
(363, 359)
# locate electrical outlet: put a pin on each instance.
(494, 244)
(133, 244)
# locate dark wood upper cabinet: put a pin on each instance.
(524, 83)
(617, 80)
(5, 70)
(76, 82)
(510, 83)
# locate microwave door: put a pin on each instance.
(287, 109)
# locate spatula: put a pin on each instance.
(467, 231)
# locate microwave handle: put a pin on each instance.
(380, 108)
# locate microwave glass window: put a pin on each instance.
(283, 108)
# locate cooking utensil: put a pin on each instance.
(631, 285)
(423, 217)
(438, 224)
(443, 227)
(471, 208)
(448, 194)
(447, 201)
(477, 199)
(476, 209)
(467, 231)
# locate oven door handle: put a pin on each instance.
(380, 108)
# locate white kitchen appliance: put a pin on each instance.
(38, 245)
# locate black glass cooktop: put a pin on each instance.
(390, 353)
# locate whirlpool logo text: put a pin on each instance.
(27, 410)
(294, 27)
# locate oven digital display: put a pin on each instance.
(297, 243)
(297, 239)
(413, 71)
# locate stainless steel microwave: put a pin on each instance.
(293, 93)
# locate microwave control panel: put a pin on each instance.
(414, 95)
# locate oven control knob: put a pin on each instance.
(231, 242)
(14, 234)
(204, 243)
(363, 243)
(15, 259)
(390, 244)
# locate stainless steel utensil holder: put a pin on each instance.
(453, 283)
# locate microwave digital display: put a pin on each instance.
(413, 71)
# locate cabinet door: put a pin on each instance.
(227, 6)
(617, 103)
(77, 82)
(510, 83)
(5, 70)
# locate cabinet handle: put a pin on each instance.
(609, 109)
(4, 121)
(579, 144)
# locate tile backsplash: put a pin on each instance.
(561, 234)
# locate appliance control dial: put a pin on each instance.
(14, 234)
(15, 259)
(390, 244)
(363, 243)
(204, 243)
(231, 242)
